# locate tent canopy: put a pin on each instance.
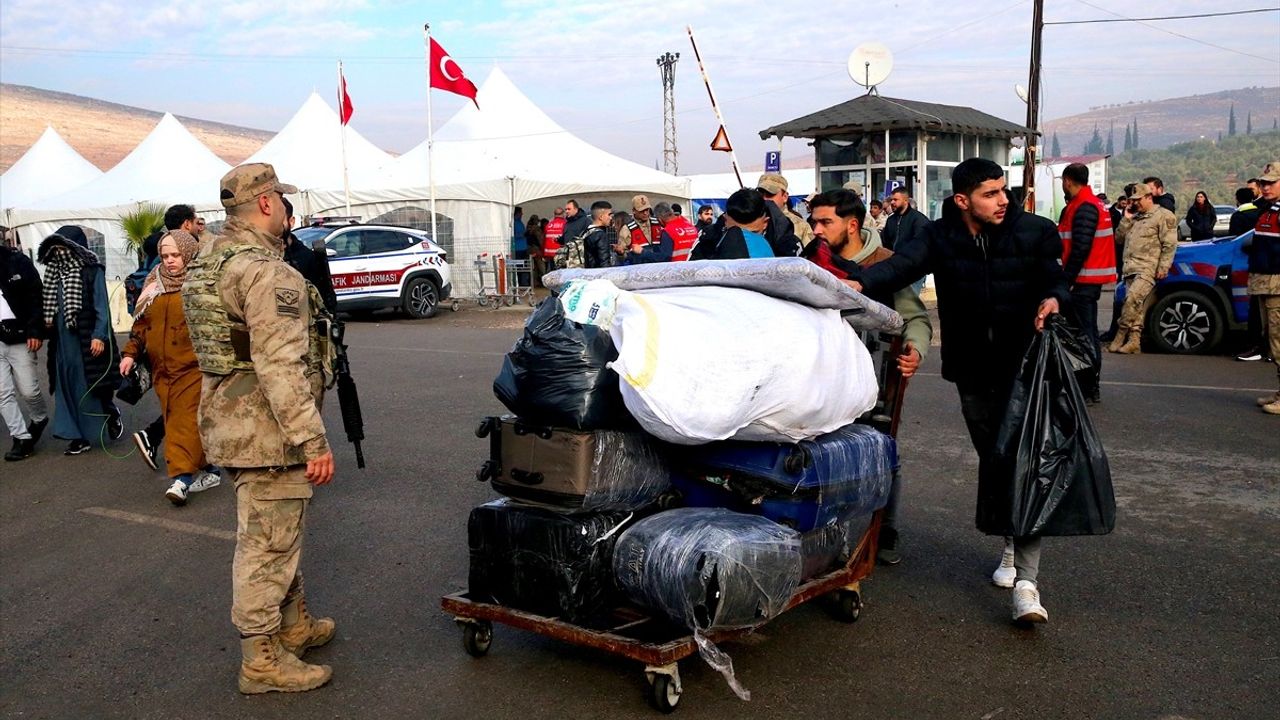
(510, 137)
(169, 166)
(307, 151)
(49, 167)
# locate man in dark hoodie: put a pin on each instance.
(998, 277)
(21, 335)
(83, 357)
(576, 222)
(314, 269)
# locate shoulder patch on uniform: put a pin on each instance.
(287, 300)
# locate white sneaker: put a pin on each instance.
(1005, 574)
(177, 493)
(1026, 604)
(204, 480)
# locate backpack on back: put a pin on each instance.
(133, 283)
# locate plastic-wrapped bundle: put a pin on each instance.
(542, 561)
(556, 374)
(573, 470)
(802, 485)
(830, 546)
(791, 278)
(707, 569)
(704, 364)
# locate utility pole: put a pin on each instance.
(1033, 110)
(670, 157)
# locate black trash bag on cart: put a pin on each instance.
(1059, 478)
(556, 374)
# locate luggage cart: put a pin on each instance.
(630, 632)
(517, 292)
(492, 272)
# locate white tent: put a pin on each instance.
(510, 137)
(49, 167)
(307, 152)
(169, 166)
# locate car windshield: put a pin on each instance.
(309, 235)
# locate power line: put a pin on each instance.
(1164, 17)
(1178, 34)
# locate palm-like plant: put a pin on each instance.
(139, 223)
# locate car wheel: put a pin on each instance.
(1186, 322)
(421, 298)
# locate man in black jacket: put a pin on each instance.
(314, 270)
(21, 335)
(597, 251)
(905, 224)
(1162, 198)
(576, 222)
(998, 277)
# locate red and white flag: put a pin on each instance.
(345, 108)
(446, 75)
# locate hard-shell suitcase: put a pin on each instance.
(542, 561)
(825, 548)
(804, 485)
(572, 470)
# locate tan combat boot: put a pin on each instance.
(299, 631)
(268, 667)
(1272, 408)
(1266, 400)
(1132, 343)
(1118, 340)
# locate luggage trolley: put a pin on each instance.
(499, 278)
(517, 292)
(631, 632)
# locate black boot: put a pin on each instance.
(37, 429)
(22, 449)
(887, 553)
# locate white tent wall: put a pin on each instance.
(49, 167)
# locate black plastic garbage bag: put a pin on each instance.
(1059, 479)
(555, 374)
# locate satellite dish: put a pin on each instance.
(1022, 93)
(870, 64)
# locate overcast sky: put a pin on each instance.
(592, 65)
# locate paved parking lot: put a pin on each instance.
(115, 604)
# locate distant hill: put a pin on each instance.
(1217, 168)
(1162, 123)
(103, 132)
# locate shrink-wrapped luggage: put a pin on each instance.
(573, 470)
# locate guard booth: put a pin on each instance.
(882, 143)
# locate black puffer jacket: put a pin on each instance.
(23, 290)
(989, 288)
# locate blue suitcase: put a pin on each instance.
(804, 486)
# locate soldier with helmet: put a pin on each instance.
(261, 338)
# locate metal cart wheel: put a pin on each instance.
(508, 301)
(846, 605)
(482, 301)
(664, 691)
(455, 306)
(477, 636)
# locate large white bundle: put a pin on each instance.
(701, 364)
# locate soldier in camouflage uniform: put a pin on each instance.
(262, 358)
(1150, 236)
(774, 189)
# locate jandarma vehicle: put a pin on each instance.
(383, 266)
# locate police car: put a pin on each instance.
(1204, 298)
(383, 266)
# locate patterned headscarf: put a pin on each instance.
(64, 253)
(160, 280)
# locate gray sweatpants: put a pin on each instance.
(19, 379)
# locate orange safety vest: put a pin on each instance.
(683, 237)
(1100, 266)
(551, 242)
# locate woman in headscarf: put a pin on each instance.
(160, 331)
(82, 346)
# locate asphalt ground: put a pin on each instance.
(116, 604)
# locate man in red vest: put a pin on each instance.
(1088, 262)
(682, 232)
(551, 243)
(644, 228)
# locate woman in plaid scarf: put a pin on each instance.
(83, 357)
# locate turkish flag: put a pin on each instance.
(446, 75)
(345, 108)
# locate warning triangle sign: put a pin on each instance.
(721, 142)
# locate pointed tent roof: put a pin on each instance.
(170, 165)
(49, 167)
(510, 136)
(307, 152)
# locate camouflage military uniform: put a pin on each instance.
(263, 423)
(803, 230)
(1150, 239)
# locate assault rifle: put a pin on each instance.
(348, 396)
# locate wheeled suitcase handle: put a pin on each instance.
(487, 426)
(525, 477)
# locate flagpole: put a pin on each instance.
(342, 128)
(431, 153)
(706, 79)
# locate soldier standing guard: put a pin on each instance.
(263, 356)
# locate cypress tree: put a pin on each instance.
(1248, 123)
(1128, 138)
(1231, 121)
(1111, 139)
(1057, 147)
(1135, 134)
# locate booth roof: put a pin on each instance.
(873, 113)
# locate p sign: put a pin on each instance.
(773, 162)
(890, 186)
